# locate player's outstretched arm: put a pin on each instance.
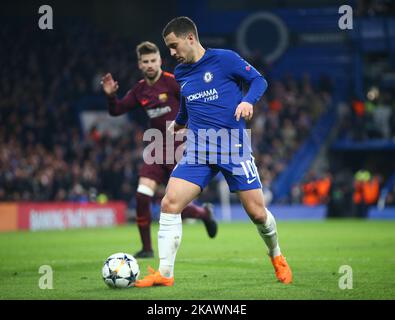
(117, 107)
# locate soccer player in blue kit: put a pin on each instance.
(212, 101)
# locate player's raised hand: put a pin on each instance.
(110, 86)
(244, 110)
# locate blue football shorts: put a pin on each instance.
(240, 176)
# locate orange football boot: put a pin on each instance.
(154, 278)
(282, 269)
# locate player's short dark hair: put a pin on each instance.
(181, 26)
(146, 47)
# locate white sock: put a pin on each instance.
(169, 239)
(268, 232)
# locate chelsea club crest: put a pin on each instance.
(208, 76)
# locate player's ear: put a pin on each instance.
(191, 37)
(139, 64)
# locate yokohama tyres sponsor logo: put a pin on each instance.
(207, 95)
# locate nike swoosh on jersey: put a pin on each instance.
(182, 86)
(251, 181)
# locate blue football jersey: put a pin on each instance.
(211, 90)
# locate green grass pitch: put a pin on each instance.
(232, 266)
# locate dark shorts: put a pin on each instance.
(160, 173)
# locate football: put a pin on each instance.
(120, 270)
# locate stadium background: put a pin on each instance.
(326, 123)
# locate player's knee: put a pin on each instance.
(146, 190)
(169, 204)
(256, 211)
(257, 214)
(258, 217)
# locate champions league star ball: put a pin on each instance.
(120, 270)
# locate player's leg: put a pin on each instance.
(204, 213)
(179, 193)
(243, 178)
(151, 175)
(186, 183)
(253, 203)
(145, 192)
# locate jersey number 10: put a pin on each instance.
(249, 168)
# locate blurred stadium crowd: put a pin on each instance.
(375, 7)
(45, 155)
(369, 119)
